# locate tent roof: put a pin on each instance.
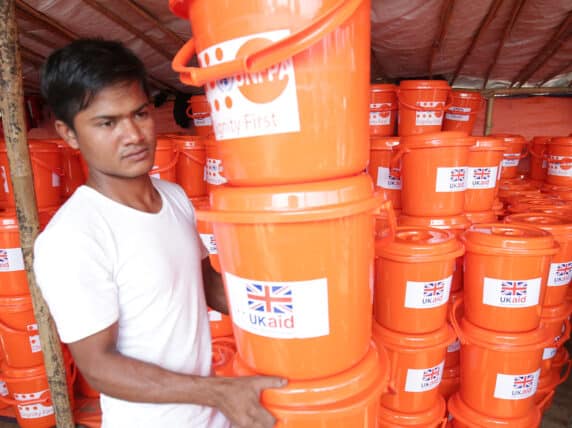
(497, 43)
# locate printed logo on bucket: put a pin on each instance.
(380, 118)
(421, 380)
(451, 179)
(560, 274)
(209, 242)
(558, 168)
(511, 293)
(516, 387)
(33, 411)
(386, 180)
(425, 295)
(482, 177)
(251, 105)
(11, 259)
(428, 117)
(213, 172)
(510, 159)
(455, 114)
(287, 310)
(3, 389)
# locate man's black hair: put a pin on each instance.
(73, 75)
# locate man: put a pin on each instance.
(121, 265)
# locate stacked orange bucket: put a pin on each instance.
(296, 202)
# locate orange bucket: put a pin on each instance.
(484, 164)
(290, 297)
(191, 165)
(421, 106)
(206, 233)
(387, 179)
(413, 275)
(466, 417)
(555, 321)
(560, 273)
(73, 174)
(214, 170)
(417, 363)
(47, 171)
(453, 356)
(506, 266)
(220, 324)
(200, 111)
(538, 163)
(432, 418)
(456, 224)
(260, 64)
(382, 110)
(516, 149)
(166, 158)
(450, 382)
(19, 332)
(559, 156)
(13, 279)
(462, 113)
(433, 173)
(223, 352)
(346, 399)
(481, 217)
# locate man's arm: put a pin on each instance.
(214, 288)
(125, 378)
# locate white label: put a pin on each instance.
(379, 118)
(421, 380)
(451, 179)
(251, 105)
(203, 121)
(4, 179)
(386, 180)
(214, 316)
(506, 293)
(281, 310)
(457, 117)
(426, 117)
(516, 387)
(213, 172)
(482, 177)
(560, 274)
(560, 169)
(209, 242)
(511, 159)
(549, 353)
(425, 295)
(3, 389)
(35, 344)
(33, 411)
(56, 182)
(455, 346)
(11, 259)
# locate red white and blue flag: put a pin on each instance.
(563, 270)
(482, 175)
(458, 175)
(269, 298)
(523, 382)
(431, 375)
(513, 288)
(433, 289)
(4, 262)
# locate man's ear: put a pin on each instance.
(66, 133)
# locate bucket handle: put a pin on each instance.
(563, 378)
(167, 167)
(545, 400)
(193, 158)
(564, 336)
(444, 422)
(192, 115)
(453, 312)
(446, 106)
(383, 108)
(395, 160)
(41, 163)
(387, 206)
(263, 58)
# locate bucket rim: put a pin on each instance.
(455, 222)
(414, 420)
(384, 143)
(424, 84)
(409, 342)
(558, 225)
(475, 216)
(561, 141)
(466, 94)
(556, 313)
(437, 140)
(11, 304)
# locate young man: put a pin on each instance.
(121, 265)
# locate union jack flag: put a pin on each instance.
(457, 175)
(523, 382)
(482, 174)
(513, 288)
(430, 375)
(563, 270)
(433, 289)
(4, 258)
(269, 298)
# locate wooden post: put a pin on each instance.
(489, 116)
(12, 108)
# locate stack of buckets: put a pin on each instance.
(294, 223)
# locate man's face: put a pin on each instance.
(115, 133)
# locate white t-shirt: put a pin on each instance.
(99, 262)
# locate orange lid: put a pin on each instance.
(541, 140)
(382, 87)
(482, 216)
(466, 95)
(510, 138)
(369, 374)
(16, 303)
(456, 222)
(400, 341)
(429, 418)
(466, 415)
(189, 142)
(12, 374)
(383, 143)
(556, 313)
(437, 140)
(424, 84)
(561, 141)
(559, 226)
(509, 239)
(488, 144)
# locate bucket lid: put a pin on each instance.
(419, 244)
(383, 87)
(508, 238)
(429, 418)
(190, 142)
(367, 374)
(383, 143)
(466, 95)
(482, 216)
(456, 222)
(489, 143)
(541, 140)
(560, 226)
(437, 140)
(556, 313)
(468, 416)
(561, 141)
(413, 342)
(424, 84)
(510, 138)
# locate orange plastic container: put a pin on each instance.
(413, 275)
(432, 418)
(223, 352)
(453, 356)
(433, 173)
(450, 382)
(191, 164)
(346, 399)
(291, 296)
(499, 371)
(382, 109)
(260, 65)
(555, 321)
(484, 164)
(422, 104)
(387, 179)
(456, 224)
(220, 324)
(206, 233)
(199, 110)
(73, 173)
(13, 279)
(214, 170)
(538, 163)
(166, 158)
(462, 113)
(47, 171)
(464, 416)
(516, 149)
(19, 332)
(560, 273)
(506, 268)
(482, 217)
(559, 156)
(417, 363)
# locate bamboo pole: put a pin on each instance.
(489, 116)
(21, 174)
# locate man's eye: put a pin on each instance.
(106, 124)
(142, 114)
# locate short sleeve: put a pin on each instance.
(74, 272)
